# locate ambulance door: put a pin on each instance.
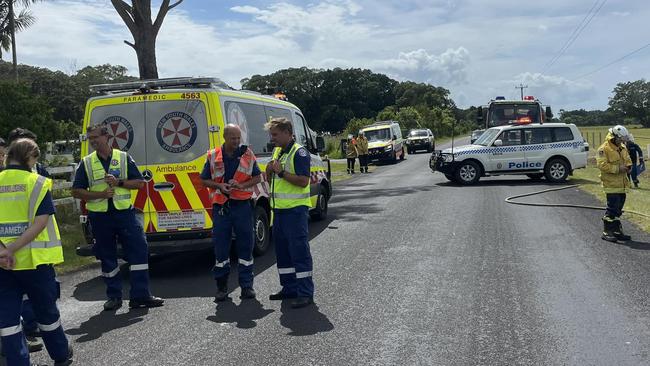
(509, 156)
(176, 143)
(124, 117)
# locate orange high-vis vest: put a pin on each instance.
(243, 174)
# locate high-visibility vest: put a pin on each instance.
(243, 174)
(284, 194)
(96, 173)
(23, 192)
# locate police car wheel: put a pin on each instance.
(556, 170)
(468, 173)
(261, 231)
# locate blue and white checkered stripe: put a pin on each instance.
(510, 149)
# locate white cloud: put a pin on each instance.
(556, 90)
(450, 67)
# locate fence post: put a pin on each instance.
(600, 137)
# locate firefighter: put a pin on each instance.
(289, 171)
(614, 163)
(3, 148)
(351, 153)
(30, 245)
(230, 173)
(104, 179)
(362, 148)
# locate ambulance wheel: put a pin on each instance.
(556, 171)
(468, 173)
(535, 176)
(393, 158)
(401, 157)
(320, 211)
(261, 231)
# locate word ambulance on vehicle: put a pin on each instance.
(167, 126)
(550, 150)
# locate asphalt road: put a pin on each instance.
(409, 270)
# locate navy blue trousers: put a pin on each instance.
(291, 238)
(41, 287)
(107, 227)
(615, 202)
(236, 216)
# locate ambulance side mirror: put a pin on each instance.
(320, 144)
(498, 143)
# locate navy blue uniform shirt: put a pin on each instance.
(81, 179)
(230, 162)
(47, 205)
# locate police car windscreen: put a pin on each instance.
(487, 137)
(378, 135)
(504, 114)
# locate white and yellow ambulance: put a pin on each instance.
(167, 126)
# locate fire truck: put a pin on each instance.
(501, 111)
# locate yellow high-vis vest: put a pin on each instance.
(284, 194)
(23, 192)
(96, 173)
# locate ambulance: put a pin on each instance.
(167, 126)
(385, 141)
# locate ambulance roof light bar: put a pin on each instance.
(529, 97)
(142, 85)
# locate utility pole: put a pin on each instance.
(522, 87)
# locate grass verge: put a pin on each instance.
(339, 171)
(71, 236)
(638, 199)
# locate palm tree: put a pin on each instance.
(24, 20)
(13, 26)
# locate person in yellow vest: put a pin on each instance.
(104, 180)
(30, 245)
(351, 153)
(289, 174)
(614, 163)
(362, 149)
(230, 173)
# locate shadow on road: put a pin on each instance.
(185, 275)
(638, 245)
(105, 322)
(243, 315)
(304, 322)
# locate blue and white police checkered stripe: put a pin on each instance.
(509, 149)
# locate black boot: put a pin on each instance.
(608, 227)
(222, 289)
(618, 231)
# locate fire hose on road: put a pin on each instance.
(512, 199)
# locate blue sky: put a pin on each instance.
(476, 49)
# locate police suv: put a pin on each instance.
(550, 150)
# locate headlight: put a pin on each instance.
(388, 148)
(447, 158)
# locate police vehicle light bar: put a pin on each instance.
(500, 97)
(529, 97)
(160, 84)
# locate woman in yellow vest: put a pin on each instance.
(30, 245)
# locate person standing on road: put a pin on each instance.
(636, 155)
(614, 163)
(351, 153)
(362, 149)
(289, 174)
(230, 173)
(104, 179)
(30, 326)
(30, 245)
